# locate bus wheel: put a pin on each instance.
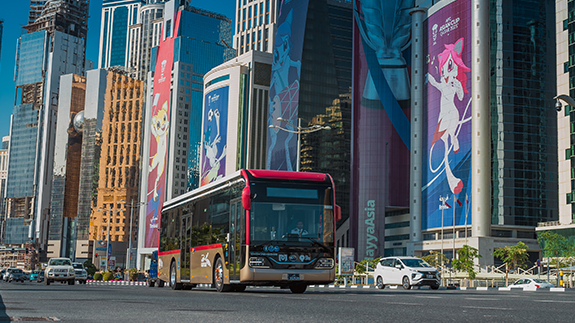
(160, 283)
(297, 289)
(219, 277)
(173, 276)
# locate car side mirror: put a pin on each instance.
(398, 266)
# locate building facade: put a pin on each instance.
(481, 128)
(117, 17)
(234, 116)
(194, 41)
(255, 27)
(143, 36)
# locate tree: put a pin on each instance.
(556, 246)
(512, 256)
(90, 268)
(362, 266)
(435, 259)
(467, 256)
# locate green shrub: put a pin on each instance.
(98, 276)
(108, 276)
(133, 274)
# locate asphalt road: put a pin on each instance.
(96, 303)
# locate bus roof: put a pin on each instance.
(281, 174)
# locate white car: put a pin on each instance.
(80, 272)
(531, 283)
(59, 269)
(405, 271)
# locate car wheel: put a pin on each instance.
(160, 283)
(151, 283)
(219, 277)
(405, 283)
(173, 277)
(71, 282)
(379, 284)
(47, 282)
(434, 286)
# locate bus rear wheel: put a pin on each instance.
(219, 277)
(297, 289)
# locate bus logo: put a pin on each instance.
(282, 257)
(205, 261)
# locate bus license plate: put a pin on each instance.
(429, 276)
(293, 277)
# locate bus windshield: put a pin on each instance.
(289, 222)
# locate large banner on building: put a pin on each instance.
(446, 189)
(160, 123)
(381, 126)
(215, 135)
(285, 85)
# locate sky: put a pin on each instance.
(17, 17)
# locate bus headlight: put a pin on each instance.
(324, 263)
(257, 262)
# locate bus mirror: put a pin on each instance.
(246, 198)
(337, 213)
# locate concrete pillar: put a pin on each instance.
(481, 125)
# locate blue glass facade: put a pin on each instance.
(117, 17)
(200, 44)
(119, 32)
(23, 134)
(30, 64)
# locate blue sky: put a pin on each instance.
(17, 17)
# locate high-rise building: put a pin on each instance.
(66, 172)
(194, 41)
(255, 27)
(479, 124)
(234, 116)
(3, 175)
(143, 36)
(310, 87)
(117, 17)
(53, 46)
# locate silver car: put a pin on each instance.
(531, 283)
(80, 272)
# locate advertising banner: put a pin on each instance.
(446, 189)
(346, 261)
(381, 112)
(215, 135)
(160, 123)
(285, 85)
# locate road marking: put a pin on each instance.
(397, 303)
(428, 297)
(552, 301)
(488, 308)
(482, 299)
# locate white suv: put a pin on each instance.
(80, 272)
(59, 269)
(405, 271)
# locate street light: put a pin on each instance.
(131, 223)
(299, 132)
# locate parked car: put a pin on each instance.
(14, 274)
(80, 272)
(36, 276)
(405, 271)
(531, 283)
(2, 272)
(59, 269)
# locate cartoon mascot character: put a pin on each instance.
(160, 125)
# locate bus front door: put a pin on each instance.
(234, 243)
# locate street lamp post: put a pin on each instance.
(442, 207)
(131, 227)
(299, 132)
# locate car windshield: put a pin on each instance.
(60, 262)
(17, 271)
(78, 266)
(540, 281)
(415, 263)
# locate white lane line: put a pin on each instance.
(428, 297)
(489, 308)
(397, 303)
(482, 299)
(552, 301)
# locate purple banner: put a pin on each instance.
(446, 190)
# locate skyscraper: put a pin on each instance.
(194, 41)
(117, 17)
(255, 25)
(40, 61)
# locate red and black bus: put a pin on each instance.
(254, 227)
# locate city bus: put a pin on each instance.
(252, 228)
